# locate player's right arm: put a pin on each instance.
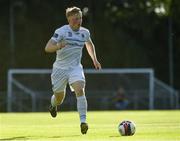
(53, 46)
(56, 42)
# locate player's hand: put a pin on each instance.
(97, 64)
(61, 44)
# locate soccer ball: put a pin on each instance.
(127, 128)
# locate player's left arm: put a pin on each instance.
(92, 52)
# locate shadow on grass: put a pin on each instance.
(15, 138)
(28, 137)
(64, 136)
(114, 136)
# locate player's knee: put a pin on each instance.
(59, 97)
(80, 92)
(79, 88)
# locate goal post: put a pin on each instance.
(148, 71)
(12, 80)
(28, 84)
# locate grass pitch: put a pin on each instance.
(150, 126)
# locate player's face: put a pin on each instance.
(75, 21)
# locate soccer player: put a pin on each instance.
(68, 42)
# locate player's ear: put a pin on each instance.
(68, 19)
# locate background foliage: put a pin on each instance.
(126, 33)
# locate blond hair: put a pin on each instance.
(72, 11)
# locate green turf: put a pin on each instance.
(150, 126)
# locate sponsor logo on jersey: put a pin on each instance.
(69, 34)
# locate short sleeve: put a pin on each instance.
(88, 37)
(58, 35)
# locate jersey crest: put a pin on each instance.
(55, 35)
(82, 35)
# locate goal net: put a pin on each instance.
(30, 90)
